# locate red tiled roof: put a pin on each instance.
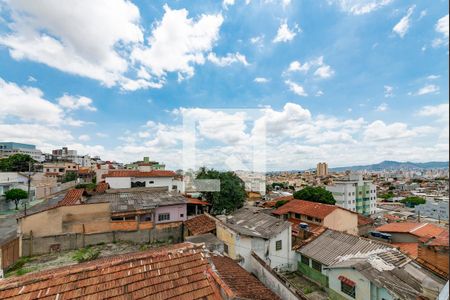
(417, 229)
(133, 173)
(308, 208)
(179, 271)
(200, 224)
(101, 187)
(273, 202)
(72, 197)
(440, 240)
(243, 284)
(411, 249)
(197, 201)
(362, 220)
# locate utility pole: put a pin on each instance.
(29, 181)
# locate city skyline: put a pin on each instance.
(346, 82)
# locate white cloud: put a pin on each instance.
(84, 138)
(48, 32)
(441, 27)
(27, 104)
(382, 107)
(324, 71)
(296, 88)
(257, 40)
(319, 93)
(178, 43)
(31, 79)
(76, 102)
(101, 135)
(401, 28)
(388, 91)
(433, 77)
(439, 111)
(427, 89)
(37, 134)
(226, 3)
(360, 7)
(227, 60)
(261, 80)
(380, 131)
(285, 34)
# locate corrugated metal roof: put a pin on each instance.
(253, 221)
(332, 247)
(132, 201)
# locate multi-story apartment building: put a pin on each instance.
(9, 148)
(355, 194)
(64, 154)
(322, 169)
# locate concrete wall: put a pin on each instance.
(118, 182)
(271, 280)
(177, 213)
(365, 290)
(342, 220)
(68, 219)
(42, 245)
(403, 238)
(228, 237)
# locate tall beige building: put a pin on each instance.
(322, 169)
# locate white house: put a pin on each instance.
(125, 179)
(250, 229)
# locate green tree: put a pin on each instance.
(281, 203)
(16, 163)
(315, 194)
(70, 176)
(16, 195)
(232, 191)
(413, 201)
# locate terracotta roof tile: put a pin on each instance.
(102, 187)
(177, 271)
(72, 197)
(308, 208)
(242, 283)
(418, 229)
(410, 249)
(362, 220)
(197, 201)
(200, 224)
(133, 173)
(273, 202)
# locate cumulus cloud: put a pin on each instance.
(48, 32)
(380, 131)
(227, 60)
(401, 28)
(440, 112)
(76, 102)
(178, 42)
(321, 70)
(27, 104)
(441, 27)
(296, 88)
(84, 138)
(285, 34)
(382, 107)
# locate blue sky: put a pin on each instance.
(347, 82)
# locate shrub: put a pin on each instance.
(86, 254)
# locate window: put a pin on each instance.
(225, 248)
(151, 182)
(309, 218)
(297, 216)
(305, 260)
(146, 218)
(130, 218)
(278, 245)
(316, 265)
(348, 289)
(318, 220)
(181, 215)
(138, 184)
(116, 218)
(164, 217)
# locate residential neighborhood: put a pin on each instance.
(224, 150)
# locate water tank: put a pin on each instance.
(303, 226)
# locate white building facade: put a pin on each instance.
(355, 194)
(433, 209)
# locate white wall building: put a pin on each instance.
(125, 179)
(355, 194)
(433, 209)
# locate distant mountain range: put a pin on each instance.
(395, 165)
